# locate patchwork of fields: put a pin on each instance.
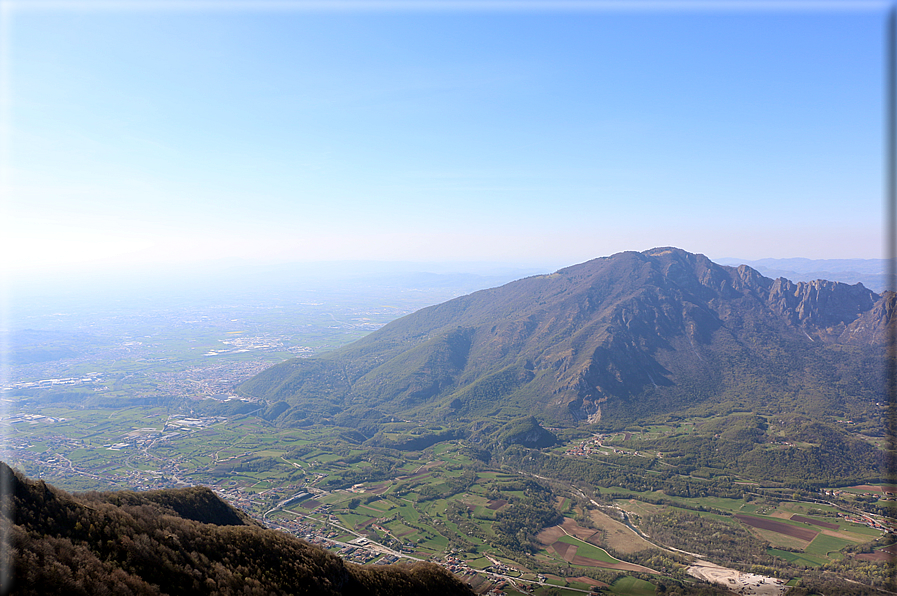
(440, 503)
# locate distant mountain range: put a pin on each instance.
(872, 273)
(616, 338)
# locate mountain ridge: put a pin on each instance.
(591, 339)
(872, 273)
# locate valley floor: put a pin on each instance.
(498, 528)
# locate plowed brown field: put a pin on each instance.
(777, 527)
(814, 522)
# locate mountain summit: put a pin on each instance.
(619, 336)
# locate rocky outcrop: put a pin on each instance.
(819, 304)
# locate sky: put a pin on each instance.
(172, 134)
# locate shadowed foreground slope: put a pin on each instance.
(177, 542)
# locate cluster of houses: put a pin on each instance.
(361, 555)
(595, 446)
(868, 521)
(455, 565)
(237, 497)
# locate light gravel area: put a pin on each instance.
(737, 581)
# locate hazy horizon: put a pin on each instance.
(159, 137)
(234, 281)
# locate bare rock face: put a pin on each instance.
(876, 325)
(819, 304)
(630, 333)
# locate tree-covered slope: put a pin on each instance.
(620, 336)
(176, 542)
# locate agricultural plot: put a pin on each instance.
(827, 546)
(632, 586)
(585, 554)
(790, 530)
(811, 533)
(879, 489)
(815, 522)
(798, 558)
(616, 535)
(887, 555)
(577, 545)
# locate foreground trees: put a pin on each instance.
(177, 542)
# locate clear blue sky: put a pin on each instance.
(527, 136)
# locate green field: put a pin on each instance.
(632, 586)
(798, 558)
(590, 551)
(823, 545)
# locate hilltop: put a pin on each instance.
(177, 542)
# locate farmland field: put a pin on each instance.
(777, 527)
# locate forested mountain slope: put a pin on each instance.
(617, 337)
(176, 542)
